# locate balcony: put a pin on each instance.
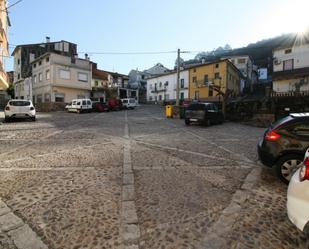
(158, 90)
(289, 94)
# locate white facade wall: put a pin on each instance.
(167, 92)
(46, 89)
(299, 54)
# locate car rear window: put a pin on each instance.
(19, 103)
(281, 121)
(196, 107)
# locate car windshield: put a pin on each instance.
(19, 103)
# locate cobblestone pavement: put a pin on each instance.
(134, 179)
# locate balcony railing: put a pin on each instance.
(289, 94)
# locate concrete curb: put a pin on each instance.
(21, 234)
(215, 238)
(129, 229)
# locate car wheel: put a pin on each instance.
(7, 119)
(187, 121)
(287, 165)
(33, 119)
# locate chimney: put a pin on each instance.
(47, 39)
(87, 57)
(203, 60)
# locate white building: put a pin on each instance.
(57, 79)
(245, 65)
(163, 88)
(291, 69)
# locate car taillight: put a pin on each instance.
(272, 136)
(304, 171)
(7, 108)
(31, 108)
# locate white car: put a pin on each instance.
(19, 108)
(80, 105)
(298, 197)
(129, 103)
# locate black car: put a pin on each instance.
(203, 113)
(284, 145)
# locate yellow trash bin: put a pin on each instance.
(169, 111)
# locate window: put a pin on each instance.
(96, 83)
(288, 51)
(18, 62)
(82, 77)
(182, 83)
(88, 102)
(160, 84)
(217, 75)
(46, 97)
(194, 70)
(34, 79)
(34, 65)
(194, 80)
(166, 96)
(18, 76)
(241, 61)
(64, 74)
(288, 65)
(210, 92)
(166, 83)
(59, 97)
(39, 98)
(160, 97)
(182, 96)
(40, 63)
(47, 59)
(206, 81)
(40, 77)
(196, 95)
(47, 74)
(217, 65)
(84, 102)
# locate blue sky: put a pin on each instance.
(161, 25)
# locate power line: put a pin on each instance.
(10, 6)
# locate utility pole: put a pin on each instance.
(178, 77)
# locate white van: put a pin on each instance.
(129, 103)
(79, 105)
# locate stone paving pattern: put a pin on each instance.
(66, 178)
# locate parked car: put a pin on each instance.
(19, 108)
(80, 105)
(284, 144)
(100, 107)
(115, 104)
(203, 113)
(129, 103)
(298, 197)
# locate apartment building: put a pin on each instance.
(25, 54)
(291, 69)
(4, 51)
(163, 87)
(222, 74)
(57, 79)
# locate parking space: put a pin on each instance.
(194, 186)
